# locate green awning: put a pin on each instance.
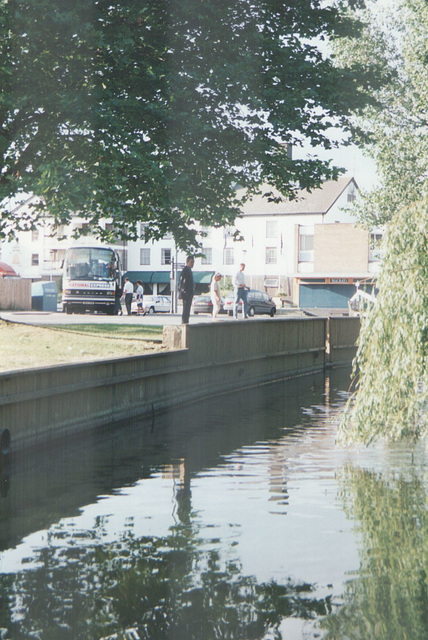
(149, 277)
(163, 277)
(203, 277)
(144, 276)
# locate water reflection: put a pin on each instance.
(4, 474)
(165, 587)
(234, 518)
(388, 597)
(55, 481)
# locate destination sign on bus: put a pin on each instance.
(91, 285)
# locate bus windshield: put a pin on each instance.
(90, 263)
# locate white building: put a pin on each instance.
(308, 250)
(39, 253)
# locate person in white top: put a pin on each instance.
(240, 292)
(128, 291)
(139, 292)
(215, 294)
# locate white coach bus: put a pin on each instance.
(91, 278)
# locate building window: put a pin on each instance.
(166, 256)
(228, 256)
(34, 259)
(375, 254)
(83, 227)
(271, 255)
(144, 256)
(306, 243)
(123, 257)
(113, 231)
(144, 230)
(34, 235)
(208, 255)
(206, 232)
(271, 228)
(351, 197)
(59, 232)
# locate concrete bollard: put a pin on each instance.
(174, 337)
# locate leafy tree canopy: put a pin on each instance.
(391, 364)
(147, 110)
(393, 128)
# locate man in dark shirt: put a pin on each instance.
(185, 288)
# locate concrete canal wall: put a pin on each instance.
(37, 405)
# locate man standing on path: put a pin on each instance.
(240, 292)
(128, 291)
(117, 298)
(185, 288)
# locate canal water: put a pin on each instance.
(233, 518)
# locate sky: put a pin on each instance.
(357, 166)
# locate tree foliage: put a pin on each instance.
(391, 378)
(148, 110)
(386, 597)
(391, 364)
(393, 129)
(162, 587)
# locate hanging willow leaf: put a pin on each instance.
(390, 369)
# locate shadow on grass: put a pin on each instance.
(136, 332)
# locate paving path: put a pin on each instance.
(49, 318)
(43, 318)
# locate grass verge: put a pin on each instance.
(146, 332)
(25, 346)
